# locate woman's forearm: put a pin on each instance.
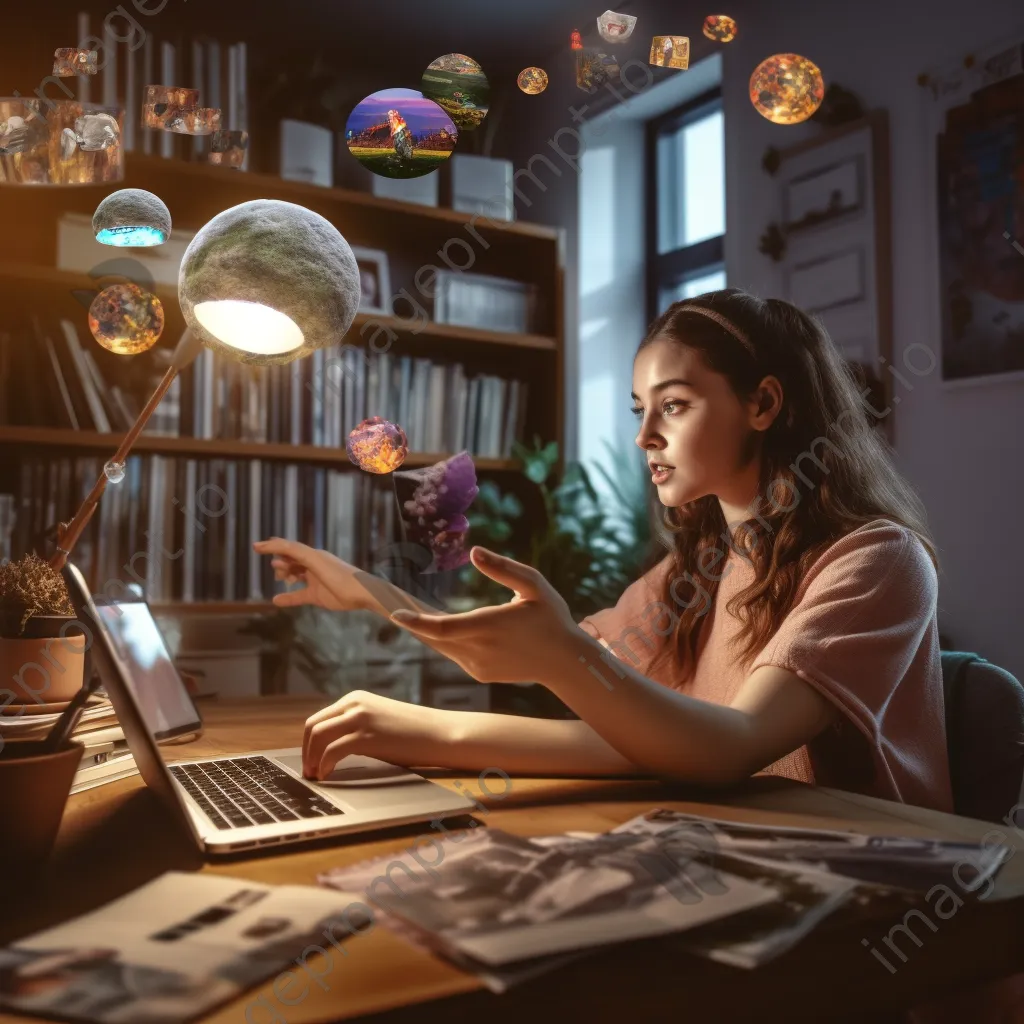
(529, 746)
(664, 732)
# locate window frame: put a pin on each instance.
(664, 270)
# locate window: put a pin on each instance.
(686, 202)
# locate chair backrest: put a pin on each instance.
(984, 735)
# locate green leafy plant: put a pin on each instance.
(588, 548)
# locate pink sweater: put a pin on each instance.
(862, 631)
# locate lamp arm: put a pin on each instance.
(68, 533)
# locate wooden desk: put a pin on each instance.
(119, 836)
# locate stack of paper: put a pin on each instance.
(33, 721)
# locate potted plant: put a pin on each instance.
(42, 644)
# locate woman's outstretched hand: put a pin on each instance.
(329, 582)
(517, 642)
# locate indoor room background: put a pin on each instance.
(654, 193)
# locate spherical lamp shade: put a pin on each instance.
(268, 282)
(132, 216)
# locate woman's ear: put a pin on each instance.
(765, 403)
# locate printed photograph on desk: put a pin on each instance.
(499, 898)
(898, 862)
(167, 952)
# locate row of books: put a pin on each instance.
(317, 400)
(182, 529)
(50, 377)
(53, 379)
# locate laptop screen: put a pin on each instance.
(159, 692)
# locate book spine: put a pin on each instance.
(168, 76)
(231, 530)
(255, 530)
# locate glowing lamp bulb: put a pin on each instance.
(249, 326)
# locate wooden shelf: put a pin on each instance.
(337, 458)
(29, 277)
(269, 186)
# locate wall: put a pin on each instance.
(958, 447)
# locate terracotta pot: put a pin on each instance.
(34, 788)
(41, 666)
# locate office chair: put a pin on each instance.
(984, 736)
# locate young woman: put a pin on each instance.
(791, 628)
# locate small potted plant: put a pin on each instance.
(42, 644)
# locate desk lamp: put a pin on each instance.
(265, 282)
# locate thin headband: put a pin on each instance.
(722, 322)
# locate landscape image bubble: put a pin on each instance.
(398, 133)
(458, 84)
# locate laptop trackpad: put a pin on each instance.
(355, 770)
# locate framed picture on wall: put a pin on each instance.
(836, 231)
(976, 119)
(823, 194)
(374, 280)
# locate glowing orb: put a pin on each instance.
(533, 81)
(786, 88)
(377, 445)
(125, 319)
(720, 28)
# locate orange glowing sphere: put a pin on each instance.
(720, 28)
(377, 445)
(786, 88)
(126, 319)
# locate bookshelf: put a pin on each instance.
(34, 289)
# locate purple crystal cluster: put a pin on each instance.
(434, 508)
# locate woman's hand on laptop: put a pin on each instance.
(375, 726)
(329, 582)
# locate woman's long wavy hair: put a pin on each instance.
(824, 470)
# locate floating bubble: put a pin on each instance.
(125, 319)
(670, 52)
(458, 85)
(720, 28)
(398, 133)
(533, 81)
(377, 445)
(114, 471)
(786, 88)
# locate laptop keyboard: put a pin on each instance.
(244, 791)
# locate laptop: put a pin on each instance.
(249, 800)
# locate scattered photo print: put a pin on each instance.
(595, 68)
(459, 86)
(670, 52)
(398, 133)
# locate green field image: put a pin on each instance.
(388, 163)
(469, 108)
